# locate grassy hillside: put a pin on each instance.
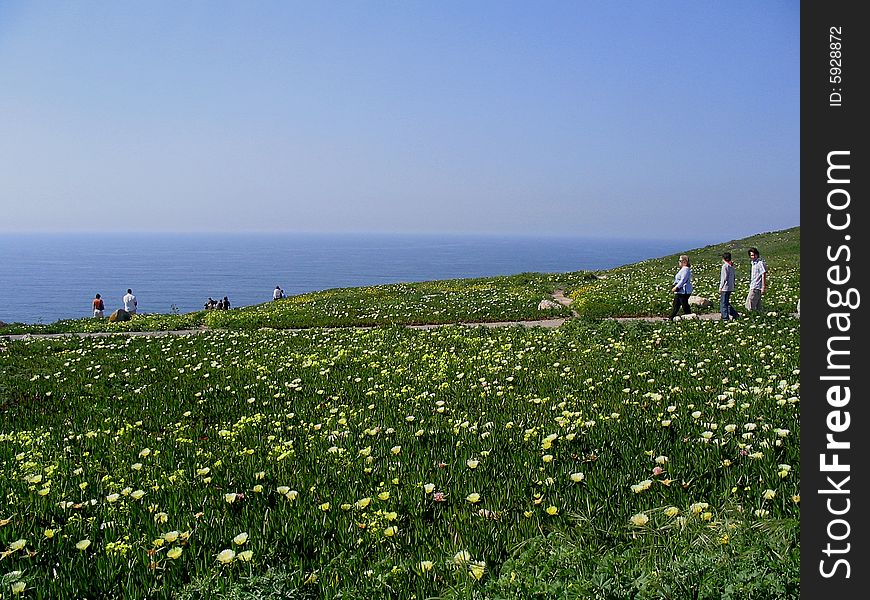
(597, 460)
(639, 289)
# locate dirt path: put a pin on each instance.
(557, 295)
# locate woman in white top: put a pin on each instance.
(682, 288)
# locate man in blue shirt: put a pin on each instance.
(757, 281)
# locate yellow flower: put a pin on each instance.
(769, 494)
(698, 507)
(83, 544)
(672, 511)
(17, 545)
(246, 556)
(384, 496)
(429, 488)
(258, 488)
(472, 464)
(18, 587)
(346, 506)
(577, 477)
(174, 553)
(473, 497)
(391, 531)
(639, 520)
(462, 557)
(226, 556)
(231, 497)
(283, 489)
(49, 533)
(361, 504)
(137, 494)
(170, 536)
(552, 511)
(112, 498)
(396, 449)
(426, 565)
(161, 517)
(476, 569)
(292, 495)
(391, 516)
(241, 538)
(203, 471)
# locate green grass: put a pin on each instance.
(597, 460)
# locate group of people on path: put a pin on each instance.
(129, 300)
(682, 287)
(223, 304)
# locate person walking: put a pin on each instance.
(278, 293)
(130, 302)
(757, 281)
(726, 288)
(682, 288)
(99, 307)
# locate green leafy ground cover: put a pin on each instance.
(596, 460)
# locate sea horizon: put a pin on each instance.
(52, 276)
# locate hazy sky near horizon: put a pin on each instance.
(651, 119)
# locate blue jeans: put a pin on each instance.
(725, 308)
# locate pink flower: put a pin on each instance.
(657, 470)
(439, 496)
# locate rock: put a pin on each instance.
(547, 304)
(699, 301)
(119, 315)
(688, 317)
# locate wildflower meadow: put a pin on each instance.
(599, 459)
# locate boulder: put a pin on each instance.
(699, 301)
(688, 317)
(119, 315)
(546, 304)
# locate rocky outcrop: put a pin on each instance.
(548, 304)
(119, 315)
(699, 301)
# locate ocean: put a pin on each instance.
(46, 277)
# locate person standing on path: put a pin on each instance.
(726, 288)
(99, 307)
(130, 302)
(757, 281)
(682, 288)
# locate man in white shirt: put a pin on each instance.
(130, 303)
(278, 293)
(757, 281)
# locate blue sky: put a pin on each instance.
(649, 119)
